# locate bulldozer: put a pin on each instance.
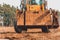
(35, 14)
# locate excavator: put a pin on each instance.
(35, 14)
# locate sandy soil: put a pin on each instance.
(31, 34)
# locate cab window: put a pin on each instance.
(35, 2)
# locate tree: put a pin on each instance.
(8, 12)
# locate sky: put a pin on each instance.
(11, 2)
(54, 4)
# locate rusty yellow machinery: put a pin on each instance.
(34, 14)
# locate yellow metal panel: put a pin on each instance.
(33, 8)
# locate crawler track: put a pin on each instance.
(9, 33)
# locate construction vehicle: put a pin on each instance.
(34, 14)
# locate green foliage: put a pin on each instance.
(59, 13)
(8, 13)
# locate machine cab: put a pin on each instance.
(33, 5)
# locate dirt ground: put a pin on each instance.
(31, 34)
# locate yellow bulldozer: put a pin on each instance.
(34, 14)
